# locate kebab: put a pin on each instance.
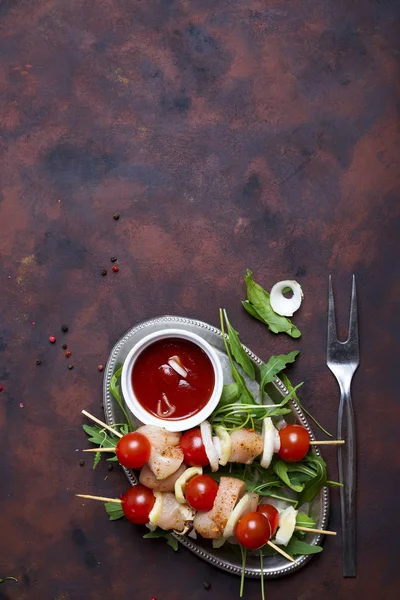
(165, 451)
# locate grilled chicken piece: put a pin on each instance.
(172, 515)
(166, 455)
(148, 479)
(205, 526)
(211, 524)
(246, 445)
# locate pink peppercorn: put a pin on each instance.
(1, 388)
(115, 268)
(52, 339)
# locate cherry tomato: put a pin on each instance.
(193, 448)
(253, 530)
(295, 442)
(201, 491)
(272, 515)
(133, 450)
(137, 504)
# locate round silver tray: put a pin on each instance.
(225, 558)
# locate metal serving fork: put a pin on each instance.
(343, 359)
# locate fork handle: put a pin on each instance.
(347, 476)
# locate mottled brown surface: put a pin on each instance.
(228, 135)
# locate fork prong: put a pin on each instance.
(331, 315)
(353, 321)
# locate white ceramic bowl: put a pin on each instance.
(148, 418)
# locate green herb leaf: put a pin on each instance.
(245, 393)
(278, 412)
(286, 381)
(262, 576)
(244, 559)
(313, 486)
(252, 311)
(100, 437)
(114, 385)
(275, 365)
(3, 579)
(282, 469)
(238, 351)
(259, 298)
(114, 510)
(97, 458)
(117, 394)
(230, 393)
(160, 533)
(297, 547)
(303, 520)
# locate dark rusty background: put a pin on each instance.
(227, 134)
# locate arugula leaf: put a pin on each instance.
(298, 547)
(230, 393)
(303, 520)
(97, 458)
(160, 533)
(245, 393)
(238, 351)
(282, 469)
(259, 299)
(114, 387)
(286, 381)
(280, 409)
(114, 510)
(102, 438)
(275, 365)
(313, 486)
(252, 311)
(278, 412)
(116, 393)
(3, 579)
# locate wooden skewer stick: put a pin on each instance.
(315, 530)
(277, 549)
(326, 442)
(99, 450)
(96, 420)
(100, 498)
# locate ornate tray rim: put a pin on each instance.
(187, 542)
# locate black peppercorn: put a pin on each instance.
(70, 367)
(116, 216)
(81, 462)
(64, 346)
(207, 585)
(38, 361)
(113, 259)
(110, 467)
(64, 328)
(103, 272)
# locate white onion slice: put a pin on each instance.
(277, 441)
(212, 455)
(242, 508)
(286, 306)
(170, 407)
(176, 364)
(225, 444)
(268, 434)
(155, 512)
(287, 523)
(217, 446)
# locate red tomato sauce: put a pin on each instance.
(163, 391)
